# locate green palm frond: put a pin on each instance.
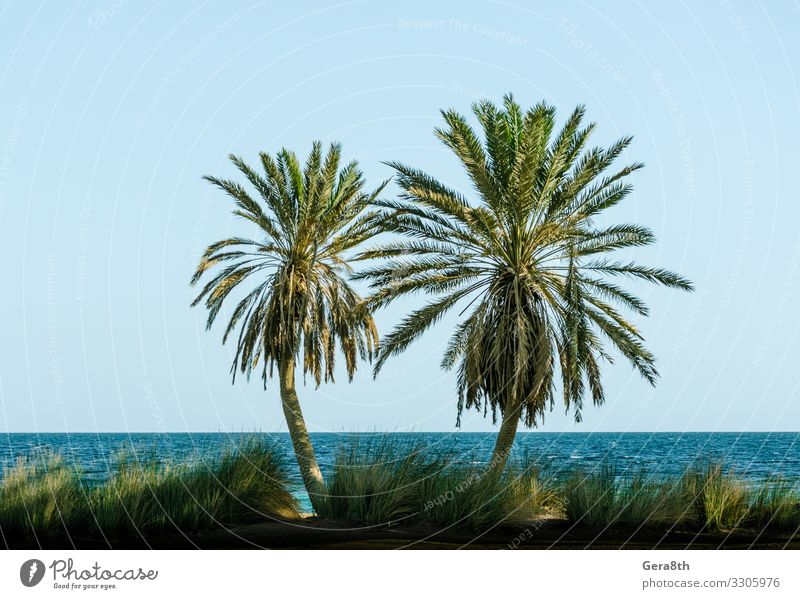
(298, 298)
(523, 260)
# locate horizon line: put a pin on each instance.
(385, 432)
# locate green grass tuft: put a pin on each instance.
(775, 505)
(719, 499)
(603, 499)
(381, 483)
(377, 482)
(39, 494)
(471, 497)
(707, 497)
(42, 496)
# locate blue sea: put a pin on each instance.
(753, 456)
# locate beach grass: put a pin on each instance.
(380, 483)
(375, 482)
(42, 494)
(39, 494)
(602, 498)
(707, 497)
(720, 500)
(470, 496)
(775, 505)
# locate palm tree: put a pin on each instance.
(297, 297)
(524, 260)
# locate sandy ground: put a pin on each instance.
(314, 533)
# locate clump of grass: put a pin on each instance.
(142, 495)
(472, 497)
(242, 485)
(775, 504)
(465, 495)
(707, 497)
(39, 494)
(645, 502)
(383, 483)
(719, 499)
(590, 499)
(602, 498)
(377, 482)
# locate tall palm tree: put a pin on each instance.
(523, 259)
(297, 298)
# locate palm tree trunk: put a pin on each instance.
(303, 449)
(505, 439)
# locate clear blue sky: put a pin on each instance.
(112, 112)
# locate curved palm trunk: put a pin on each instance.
(505, 439)
(303, 449)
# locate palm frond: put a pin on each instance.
(523, 260)
(297, 299)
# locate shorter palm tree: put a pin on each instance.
(524, 259)
(297, 298)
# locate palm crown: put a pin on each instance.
(310, 216)
(525, 262)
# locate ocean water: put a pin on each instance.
(753, 456)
